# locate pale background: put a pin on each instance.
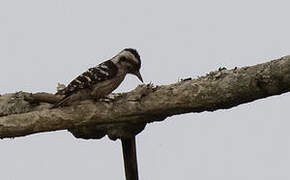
(45, 42)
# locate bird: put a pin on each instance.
(99, 81)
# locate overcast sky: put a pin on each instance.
(45, 42)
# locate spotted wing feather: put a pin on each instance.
(102, 72)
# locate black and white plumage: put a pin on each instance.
(102, 79)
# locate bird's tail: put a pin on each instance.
(60, 103)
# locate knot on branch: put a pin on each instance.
(114, 131)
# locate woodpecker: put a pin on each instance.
(101, 80)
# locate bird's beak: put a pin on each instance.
(137, 73)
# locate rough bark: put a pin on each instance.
(127, 113)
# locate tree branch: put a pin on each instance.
(127, 113)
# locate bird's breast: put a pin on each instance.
(104, 88)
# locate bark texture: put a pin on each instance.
(123, 115)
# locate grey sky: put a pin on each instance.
(45, 42)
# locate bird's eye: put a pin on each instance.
(123, 59)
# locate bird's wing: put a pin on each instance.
(102, 72)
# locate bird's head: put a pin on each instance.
(130, 60)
